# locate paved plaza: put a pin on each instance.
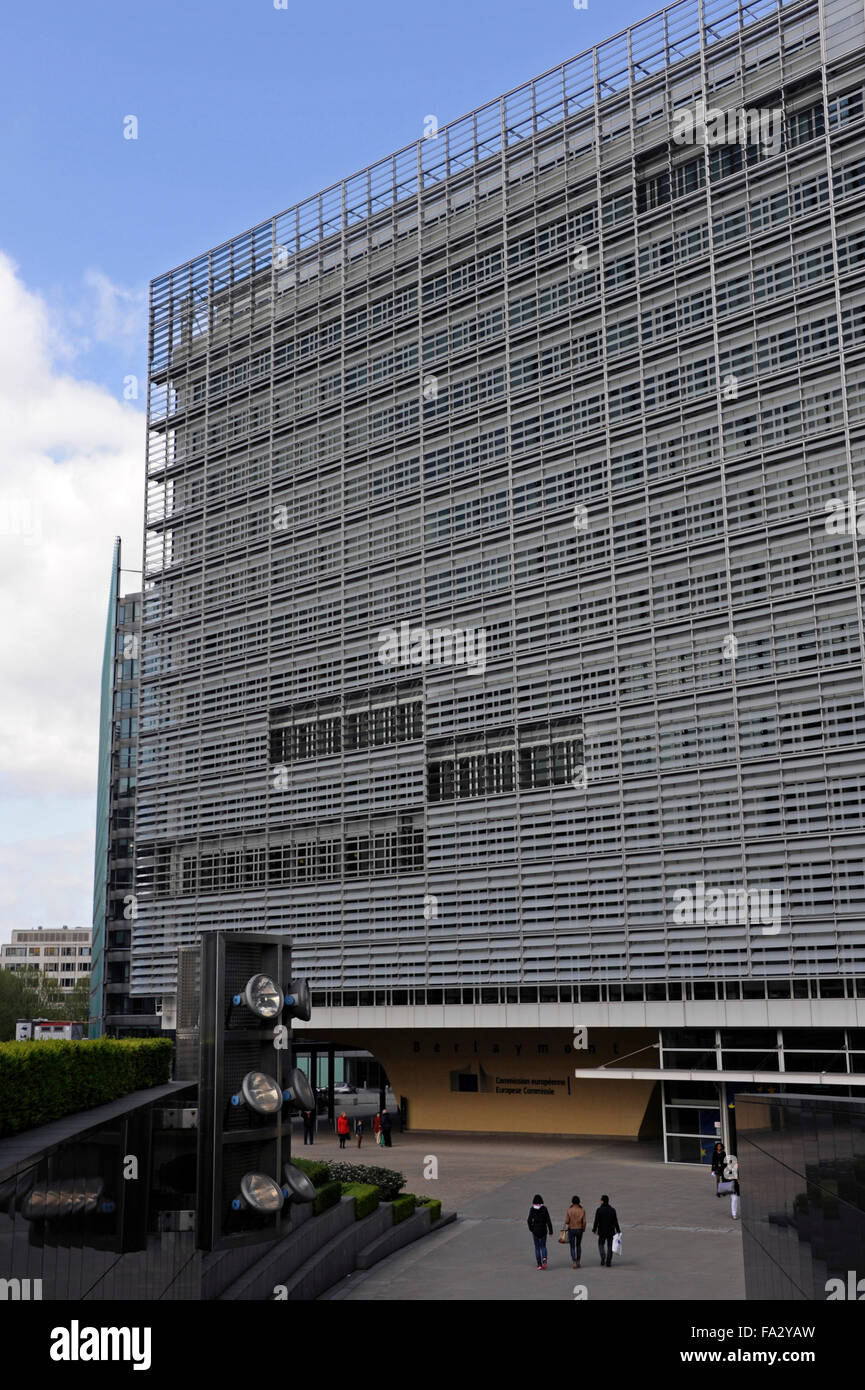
(679, 1241)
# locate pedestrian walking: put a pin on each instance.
(309, 1126)
(606, 1226)
(734, 1200)
(385, 1129)
(541, 1226)
(358, 1130)
(343, 1129)
(575, 1224)
(376, 1128)
(718, 1162)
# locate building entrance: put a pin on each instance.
(693, 1121)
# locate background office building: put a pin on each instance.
(112, 1009)
(502, 632)
(62, 954)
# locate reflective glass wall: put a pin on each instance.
(802, 1179)
(107, 1214)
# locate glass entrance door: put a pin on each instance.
(692, 1121)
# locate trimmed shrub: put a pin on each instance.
(435, 1206)
(366, 1197)
(386, 1180)
(327, 1195)
(40, 1081)
(403, 1207)
(315, 1171)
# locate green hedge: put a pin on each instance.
(327, 1195)
(434, 1205)
(386, 1180)
(403, 1207)
(317, 1172)
(366, 1197)
(40, 1081)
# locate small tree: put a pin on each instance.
(41, 993)
(31, 993)
(77, 1001)
(43, 997)
(13, 1003)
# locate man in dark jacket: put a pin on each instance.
(541, 1226)
(606, 1225)
(385, 1128)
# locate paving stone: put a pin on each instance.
(679, 1241)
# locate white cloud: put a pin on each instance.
(71, 479)
(46, 881)
(118, 315)
(100, 313)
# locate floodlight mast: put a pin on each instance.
(248, 1087)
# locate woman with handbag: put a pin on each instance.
(572, 1231)
(376, 1128)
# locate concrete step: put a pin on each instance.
(407, 1231)
(324, 1249)
(337, 1257)
(278, 1264)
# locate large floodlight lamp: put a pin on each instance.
(262, 996)
(260, 1092)
(259, 1192)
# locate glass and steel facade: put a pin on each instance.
(576, 393)
(113, 1011)
(103, 805)
(710, 1067)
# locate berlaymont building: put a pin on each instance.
(502, 632)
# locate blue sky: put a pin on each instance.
(242, 109)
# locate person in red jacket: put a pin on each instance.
(343, 1129)
(376, 1128)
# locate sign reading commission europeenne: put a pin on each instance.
(526, 1086)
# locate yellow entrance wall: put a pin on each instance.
(511, 1066)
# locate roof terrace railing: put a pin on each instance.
(664, 39)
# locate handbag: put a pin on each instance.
(563, 1236)
(724, 1189)
(617, 1243)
